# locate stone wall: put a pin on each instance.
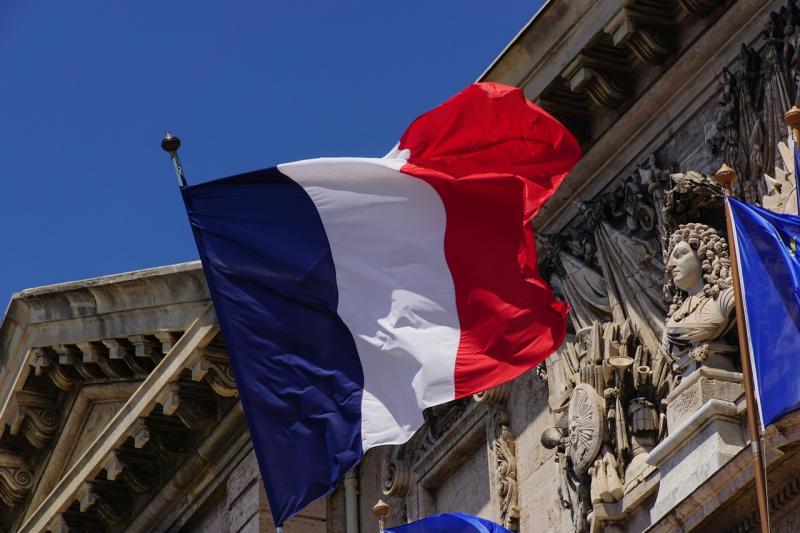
(239, 505)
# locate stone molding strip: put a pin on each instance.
(706, 372)
(189, 488)
(733, 478)
(711, 409)
(143, 401)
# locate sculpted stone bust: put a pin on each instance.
(702, 315)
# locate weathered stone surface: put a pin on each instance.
(694, 451)
(693, 392)
(467, 488)
(248, 509)
(539, 504)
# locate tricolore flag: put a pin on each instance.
(354, 292)
(767, 248)
(450, 523)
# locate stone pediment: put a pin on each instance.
(87, 415)
(108, 390)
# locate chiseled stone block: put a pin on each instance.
(697, 448)
(248, 507)
(698, 388)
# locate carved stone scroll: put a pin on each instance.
(34, 417)
(215, 369)
(16, 478)
(701, 8)
(498, 395)
(505, 457)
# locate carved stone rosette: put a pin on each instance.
(586, 421)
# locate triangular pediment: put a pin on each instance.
(91, 409)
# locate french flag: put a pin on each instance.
(352, 293)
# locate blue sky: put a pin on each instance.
(88, 88)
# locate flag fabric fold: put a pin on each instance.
(450, 523)
(354, 292)
(767, 247)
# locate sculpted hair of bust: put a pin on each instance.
(697, 255)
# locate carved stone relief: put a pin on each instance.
(505, 469)
(407, 468)
(700, 320)
(755, 93)
(607, 398)
(647, 273)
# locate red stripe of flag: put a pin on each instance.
(494, 159)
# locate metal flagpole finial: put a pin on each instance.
(381, 511)
(792, 119)
(725, 177)
(170, 144)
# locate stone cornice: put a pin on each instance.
(664, 97)
(94, 309)
(128, 423)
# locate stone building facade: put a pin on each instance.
(119, 412)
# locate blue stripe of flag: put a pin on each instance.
(272, 279)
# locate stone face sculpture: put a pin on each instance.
(702, 314)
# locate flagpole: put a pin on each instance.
(792, 119)
(725, 177)
(381, 511)
(170, 144)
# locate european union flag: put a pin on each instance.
(450, 523)
(768, 257)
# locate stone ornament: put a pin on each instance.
(702, 313)
(586, 420)
(498, 395)
(607, 397)
(504, 451)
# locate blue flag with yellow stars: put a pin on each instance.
(450, 523)
(768, 258)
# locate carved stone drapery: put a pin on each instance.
(608, 263)
(577, 282)
(635, 279)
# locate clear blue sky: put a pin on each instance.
(88, 88)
